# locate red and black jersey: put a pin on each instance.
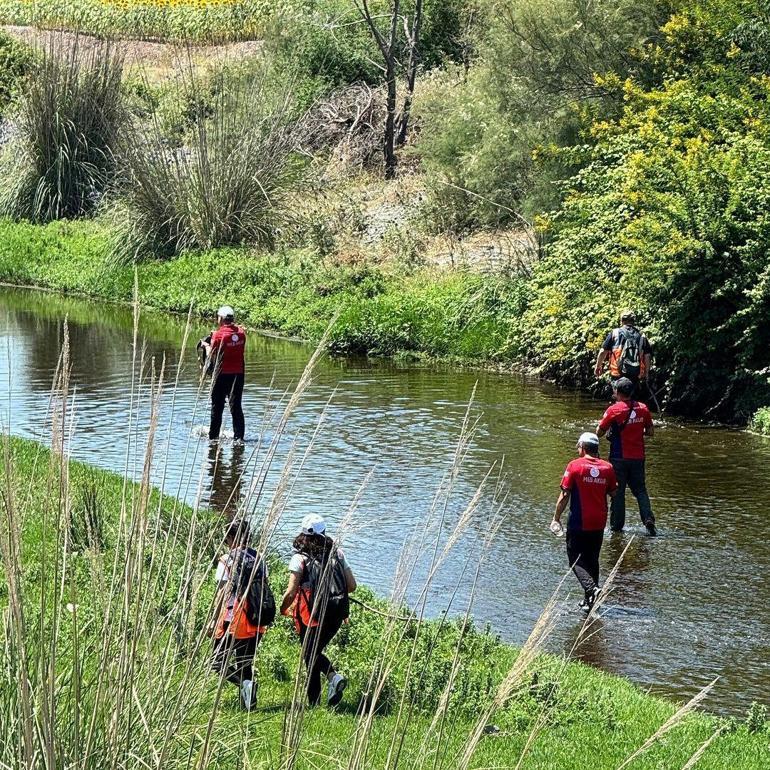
(625, 422)
(588, 480)
(227, 346)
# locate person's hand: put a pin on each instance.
(557, 528)
(598, 372)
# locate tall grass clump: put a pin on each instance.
(225, 185)
(63, 157)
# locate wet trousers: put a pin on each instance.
(227, 387)
(583, 550)
(630, 473)
(314, 640)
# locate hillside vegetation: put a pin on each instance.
(621, 146)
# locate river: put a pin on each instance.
(687, 606)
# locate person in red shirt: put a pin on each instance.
(586, 484)
(626, 423)
(225, 351)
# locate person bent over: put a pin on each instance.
(586, 484)
(626, 423)
(225, 354)
(320, 580)
(237, 633)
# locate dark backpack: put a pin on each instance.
(328, 588)
(250, 581)
(630, 358)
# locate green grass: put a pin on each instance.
(592, 718)
(450, 315)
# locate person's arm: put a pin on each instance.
(561, 504)
(291, 592)
(600, 359)
(647, 359)
(649, 427)
(350, 580)
(604, 424)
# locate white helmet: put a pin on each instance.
(225, 312)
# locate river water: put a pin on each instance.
(687, 606)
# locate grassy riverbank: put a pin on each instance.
(383, 311)
(107, 588)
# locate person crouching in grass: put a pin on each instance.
(320, 580)
(238, 629)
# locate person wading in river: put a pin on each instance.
(245, 607)
(320, 580)
(628, 350)
(586, 483)
(225, 354)
(626, 423)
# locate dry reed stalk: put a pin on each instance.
(702, 749)
(673, 721)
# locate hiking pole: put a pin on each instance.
(654, 396)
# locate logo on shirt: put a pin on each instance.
(632, 416)
(595, 472)
(235, 338)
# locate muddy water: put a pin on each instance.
(688, 606)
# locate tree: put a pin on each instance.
(389, 42)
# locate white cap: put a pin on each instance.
(588, 438)
(313, 524)
(225, 312)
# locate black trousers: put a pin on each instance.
(227, 387)
(583, 550)
(629, 473)
(314, 640)
(234, 658)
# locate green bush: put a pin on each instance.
(760, 422)
(545, 70)
(15, 63)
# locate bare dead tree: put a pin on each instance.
(387, 42)
(413, 45)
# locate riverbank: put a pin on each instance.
(113, 585)
(443, 314)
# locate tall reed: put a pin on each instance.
(62, 159)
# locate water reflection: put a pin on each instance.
(226, 467)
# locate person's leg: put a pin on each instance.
(618, 503)
(314, 640)
(638, 484)
(219, 390)
(243, 659)
(577, 555)
(236, 409)
(591, 550)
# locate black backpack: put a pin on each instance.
(328, 588)
(630, 358)
(250, 581)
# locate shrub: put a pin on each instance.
(15, 63)
(760, 422)
(62, 160)
(225, 186)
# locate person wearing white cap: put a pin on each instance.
(320, 580)
(586, 484)
(226, 354)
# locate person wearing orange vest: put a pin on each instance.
(629, 352)
(236, 638)
(320, 580)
